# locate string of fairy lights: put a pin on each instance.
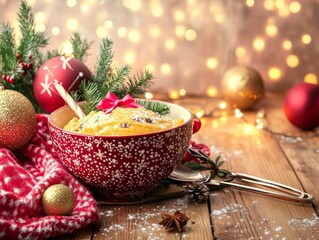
(143, 39)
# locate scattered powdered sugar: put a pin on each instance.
(306, 224)
(237, 219)
(226, 154)
(144, 224)
(290, 139)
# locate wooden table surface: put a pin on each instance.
(230, 213)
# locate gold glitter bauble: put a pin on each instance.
(58, 199)
(242, 87)
(17, 119)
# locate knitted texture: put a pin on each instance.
(23, 180)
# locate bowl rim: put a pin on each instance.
(122, 136)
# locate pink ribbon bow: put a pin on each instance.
(110, 102)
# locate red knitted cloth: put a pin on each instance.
(22, 183)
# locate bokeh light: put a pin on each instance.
(190, 44)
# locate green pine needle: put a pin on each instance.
(108, 78)
(7, 49)
(80, 46)
(104, 61)
(30, 38)
(158, 107)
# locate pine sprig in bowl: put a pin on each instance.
(118, 80)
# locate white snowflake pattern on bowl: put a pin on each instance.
(121, 168)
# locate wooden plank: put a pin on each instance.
(302, 150)
(243, 215)
(142, 221)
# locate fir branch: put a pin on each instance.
(80, 46)
(117, 79)
(90, 92)
(30, 39)
(104, 61)
(158, 107)
(7, 49)
(107, 78)
(137, 85)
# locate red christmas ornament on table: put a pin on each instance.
(301, 105)
(67, 71)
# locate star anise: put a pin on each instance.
(176, 220)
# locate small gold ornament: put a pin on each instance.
(242, 87)
(17, 119)
(58, 199)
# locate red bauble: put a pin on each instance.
(67, 71)
(196, 125)
(302, 105)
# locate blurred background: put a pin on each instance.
(189, 44)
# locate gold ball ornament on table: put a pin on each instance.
(242, 87)
(58, 199)
(17, 119)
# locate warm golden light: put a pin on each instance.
(180, 31)
(129, 57)
(219, 17)
(274, 73)
(170, 44)
(190, 34)
(72, 24)
(248, 129)
(212, 91)
(271, 30)
(155, 32)
(279, 4)
(150, 67)
(133, 5)
(223, 105)
(71, 3)
(287, 45)
(173, 95)
(84, 8)
(211, 63)
(108, 24)
(55, 30)
(134, 36)
(199, 113)
(259, 44)
(283, 12)
(156, 8)
(182, 92)
(166, 68)
(292, 61)
(238, 113)
(311, 78)
(240, 52)
(269, 5)
(250, 3)
(179, 15)
(40, 17)
(101, 32)
(149, 95)
(66, 48)
(122, 32)
(40, 27)
(306, 38)
(31, 2)
(294, 7)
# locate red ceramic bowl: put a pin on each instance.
(121, 168)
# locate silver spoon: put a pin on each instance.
(186, 174)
